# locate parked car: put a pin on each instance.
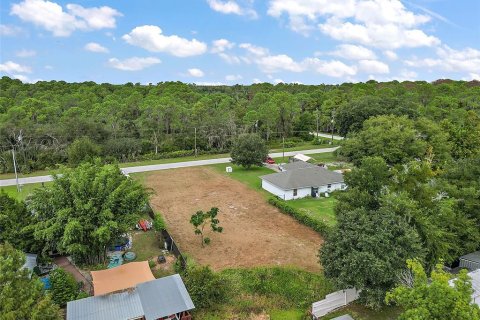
(269, 160)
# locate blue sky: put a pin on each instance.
(240, 41)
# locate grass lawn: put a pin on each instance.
(146, 245)
(317, 208)
(250, 177)
(25, 191)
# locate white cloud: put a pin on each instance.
(95, 47)
(51, 16)
(277, 63)
(230, 58)
(233, 77)
(379, 23)
(13, 67)
(353, 52)
(256, 80)
(333, 68)
(152, 39)
(474, 76)
(97, 17)
(391, 55)
(9, 30)
(448, 59)
(389, 36)
(24, 78)
(255, 50)
(195, 72)
(221, 45)
(24, 53)
(133, 64)
(231, 7)
(373, 67)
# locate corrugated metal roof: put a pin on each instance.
(474, 256)
(344, 317)
(303, 178)
(164, 297)
(30, 261)
(118, 306)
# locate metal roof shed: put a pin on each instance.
(164, 297)
(124, 305)
(470, 261)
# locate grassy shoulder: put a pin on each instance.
(24, 191)
(281, 293)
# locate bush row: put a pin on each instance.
(316, 225)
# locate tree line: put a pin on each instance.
(48, 123)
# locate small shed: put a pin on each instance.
(30, 262)
(301, 157)
(470, 261)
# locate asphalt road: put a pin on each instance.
(165, 166)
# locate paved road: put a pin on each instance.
(327, 135)
(155, 167)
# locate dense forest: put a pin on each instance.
(129, 122)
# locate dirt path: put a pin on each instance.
(255, 233)
(66, 265)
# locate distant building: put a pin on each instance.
(164, 298)
(475, 276)
(470, 261)
(301, 179)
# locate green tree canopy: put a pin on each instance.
(20, 296)
(424, 299)
(85, 209)
(366, 250)
(249, 150)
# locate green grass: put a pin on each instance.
(146, 245)
(281, 292)
(24, 192)
(250, 177)
(360, 312)
(318, 208)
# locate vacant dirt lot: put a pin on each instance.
(255, 233)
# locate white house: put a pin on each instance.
(301, 179)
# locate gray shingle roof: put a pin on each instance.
(297, 165)
(153, 299)
(344, 317)
(164, 297)
(117, 306)
(303, 178)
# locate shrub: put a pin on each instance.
(64, 287)
(159, 223)
(151, 264)
(206, 288)
(301, 217)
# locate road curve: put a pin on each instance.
(164, 166)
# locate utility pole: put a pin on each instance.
(195, 142)
(317, 123)
(283, 144)
(333, 123)
(15, 168)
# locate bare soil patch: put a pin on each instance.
(255, 233)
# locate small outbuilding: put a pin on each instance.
(299, 180)
(470, 261)
(164, 298)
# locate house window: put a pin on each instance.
(294, 192)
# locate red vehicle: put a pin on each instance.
(269, 160)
